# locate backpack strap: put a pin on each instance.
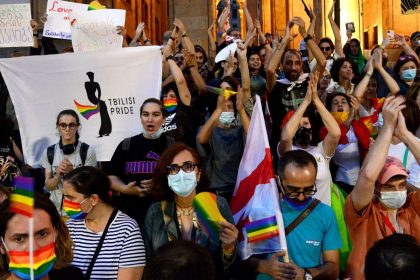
(302, 216)
(50, 154)
(83, 152)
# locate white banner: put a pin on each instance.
(96, 29)
(15, 26)
(58, 23)
(42, 86)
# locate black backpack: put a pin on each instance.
(83, 153)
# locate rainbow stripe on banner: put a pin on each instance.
(85, 110)
(22, 198)
(208, 214)
(44, 260)
(227, 93)
(95, 5)
(262, 229)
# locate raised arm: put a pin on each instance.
(336, 30)
(221, 22)
(186, 41)
(121, 30)
(212, 48)
(276, 57)
(241, 110)
(407, 137)
(311, 45)
(289, 131)
(243, 68)
(334, 133)
(248, 18)
(192, 66)
(181, 84)
(261, 35)
(372, 165)
(390, 82)
(360, 89)
(206, 131)
(407, 49)
(139, 31)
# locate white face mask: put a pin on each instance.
(155, 135)
(182, 183)
(393, 200)
(227, 118)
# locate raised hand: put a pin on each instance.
(301, 23)
(392, 106)
(180, 25)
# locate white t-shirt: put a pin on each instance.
(398, 151)
(323, 176)
(56, 196)
(347, 159)
(123, 247)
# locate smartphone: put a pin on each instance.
(390, 34)
(350, 27)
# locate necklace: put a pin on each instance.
(181, 211)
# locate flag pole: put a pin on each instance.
(31, 246)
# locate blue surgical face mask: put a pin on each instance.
(227, 118)
(409, 74)
(155, 135)
(182, 183)
(297, 205)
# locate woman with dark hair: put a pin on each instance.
(413, 92)
(107, 243)
(257, 80)
(176, 98)
(354, 141)
(178, 178)
(342, 72)
(405, 72)
(354, 52)
(69, 153)
(51, 238)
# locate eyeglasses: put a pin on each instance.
(187, 167)
(326, 77)
(64, 126)
(179, 58)
(306, 192)
(325, 49)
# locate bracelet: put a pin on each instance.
(35, 34)
(172, 38)
(308, 37)
(368, 74)
(184, 35)
(147, 40)
(169, 57)
(190, 66)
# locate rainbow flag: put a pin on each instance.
(170, 104)
(43, 262)
(262, 229)
(22, 198)
(227, 93)
(95, 5)
(371, 123)
(72, 209)
(85, 110)
(208, 214)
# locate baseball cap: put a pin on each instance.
(392, 167)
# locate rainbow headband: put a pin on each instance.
(208, 214)
(43, 262)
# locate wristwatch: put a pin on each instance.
(307, 275)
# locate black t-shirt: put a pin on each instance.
(181, 125)
(135, 159)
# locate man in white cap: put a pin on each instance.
(379, 204)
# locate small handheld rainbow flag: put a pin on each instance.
(227, 93)
(262, 229)
(43, 261)
(22, 198)
(86, 111)
(208, 214)
(95, 5)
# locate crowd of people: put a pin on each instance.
(344, 137)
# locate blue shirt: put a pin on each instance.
(318, 232)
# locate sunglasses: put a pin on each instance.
(187, 167)
(325, 49)
(64, 126)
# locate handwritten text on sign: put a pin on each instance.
(15, 27)
(58, 24)
(96, 30)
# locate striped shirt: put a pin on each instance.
(123, 247)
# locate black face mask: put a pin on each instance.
(303, 136)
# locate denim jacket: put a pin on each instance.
(157, 234)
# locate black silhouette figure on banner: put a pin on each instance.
(91, 88)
